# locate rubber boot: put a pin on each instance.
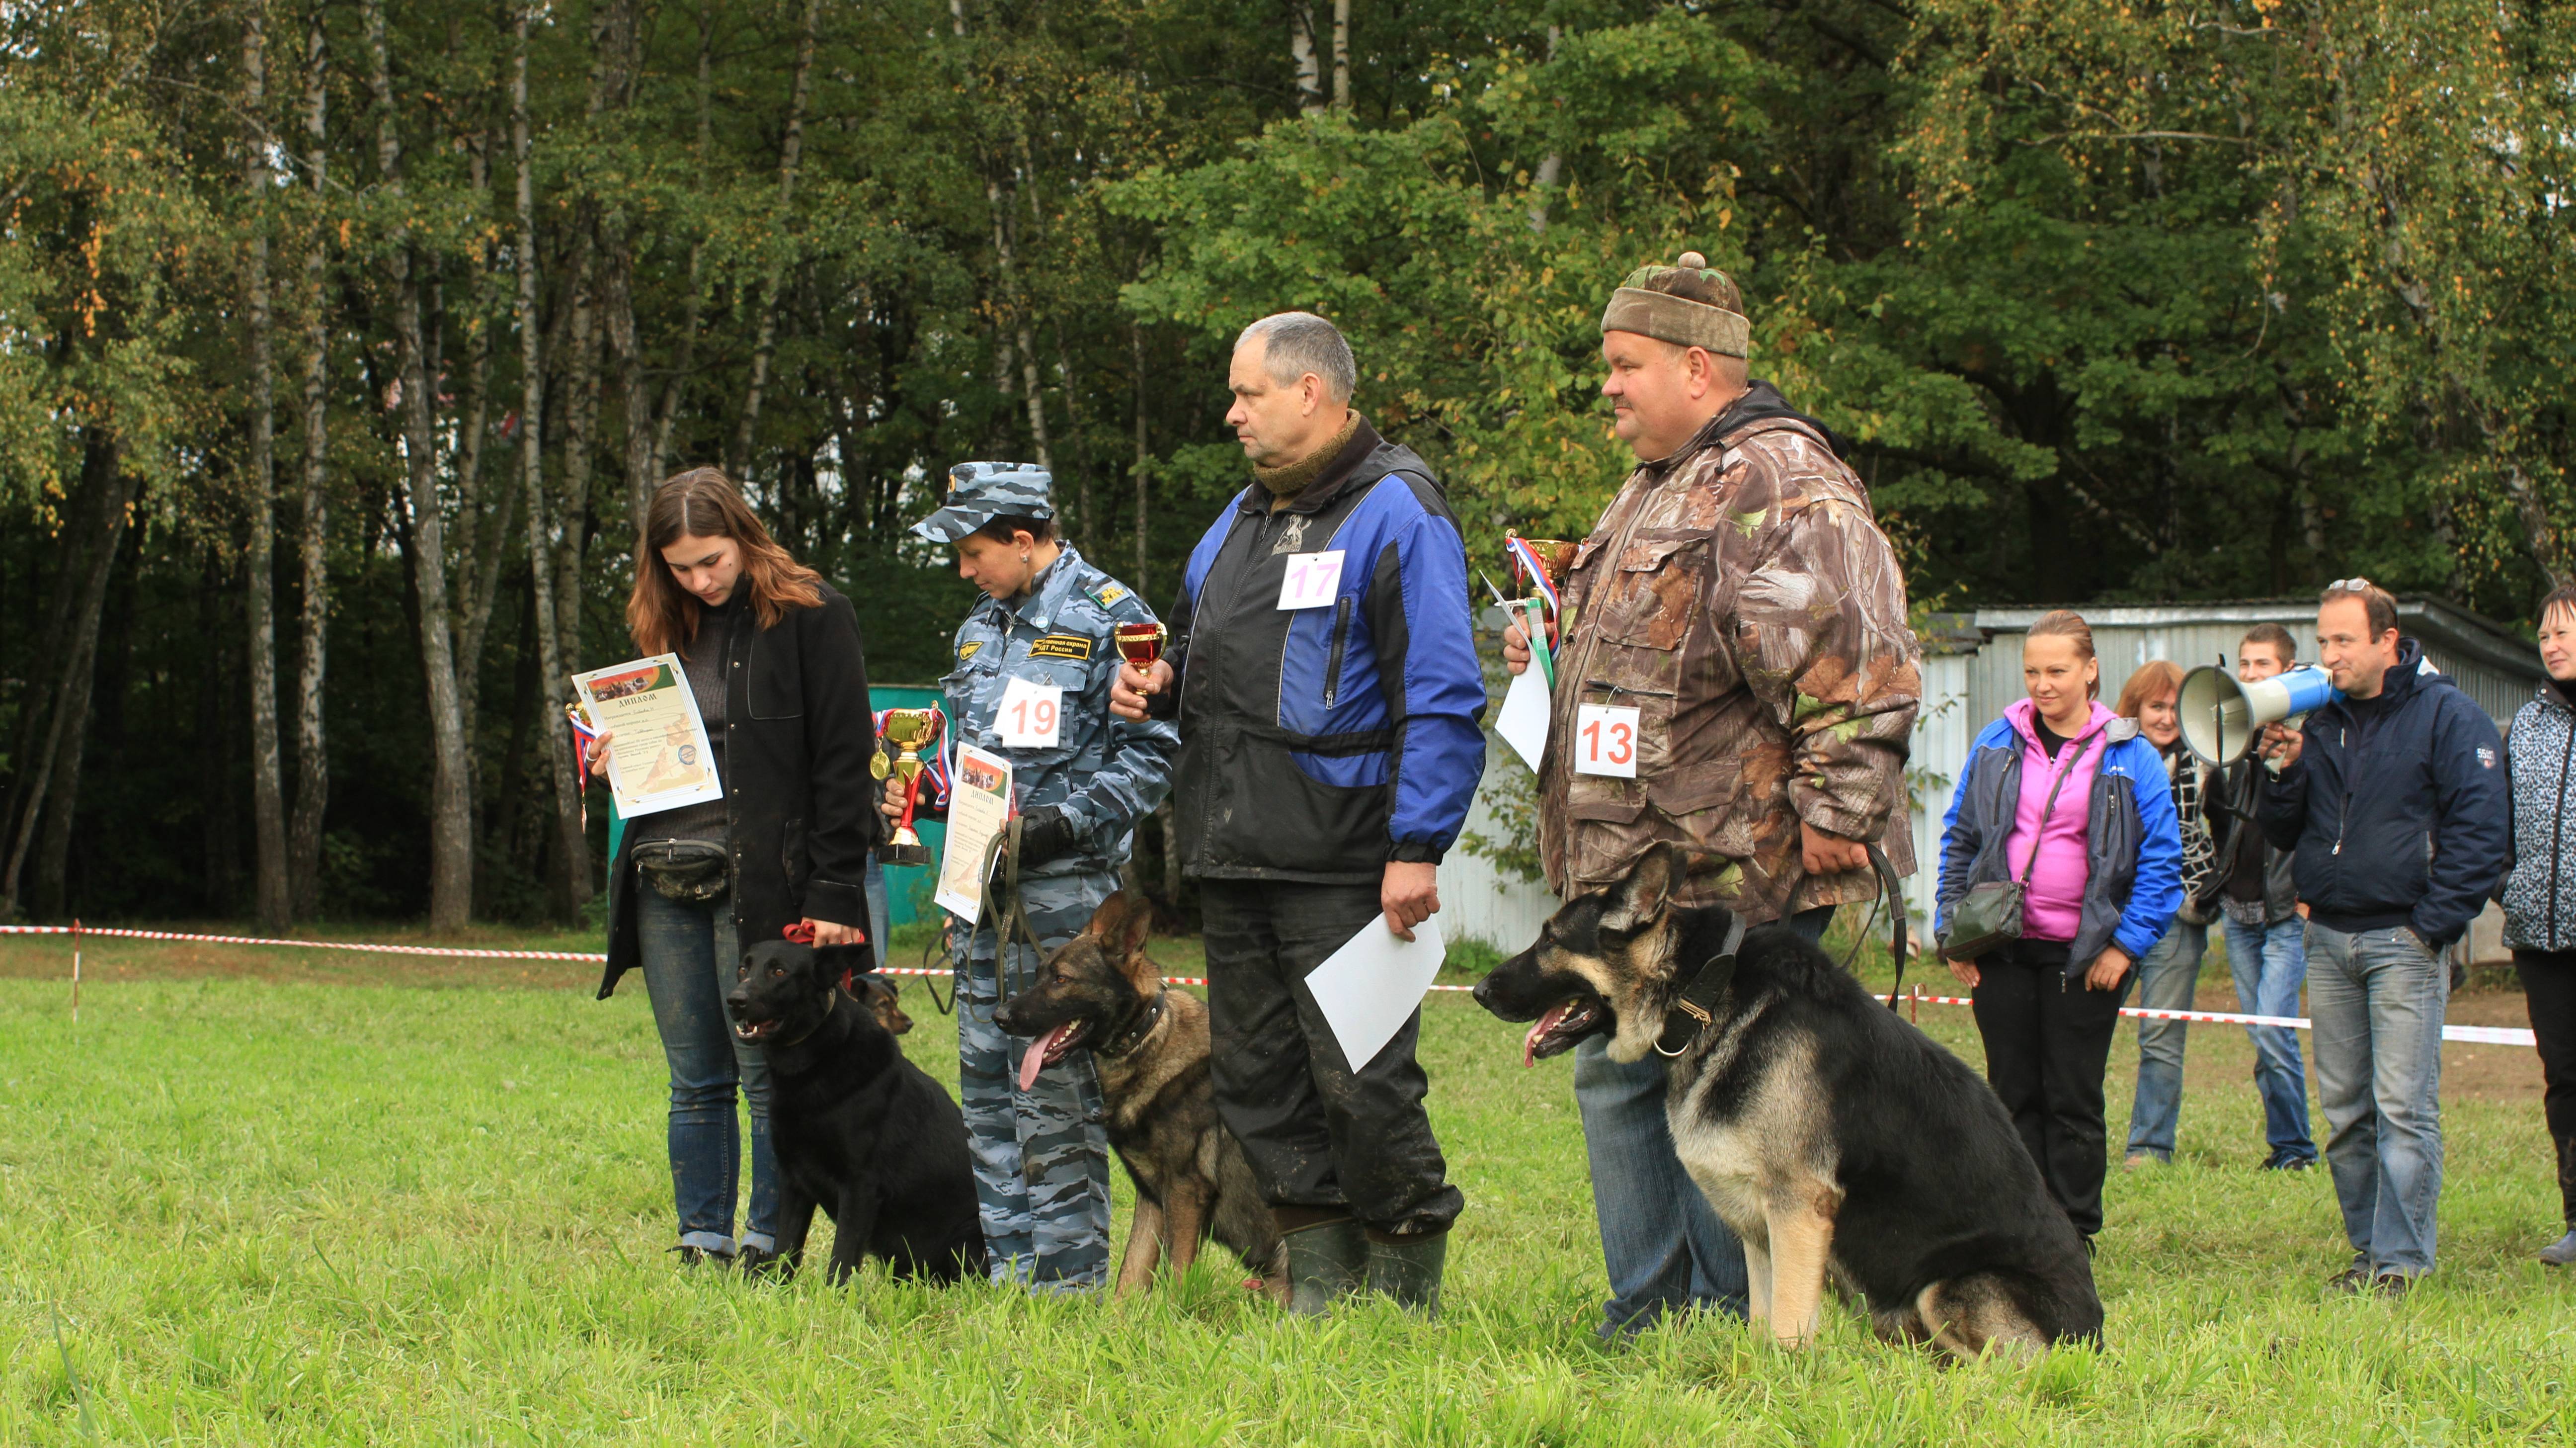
(1408, 1268)
(2562, 1253)
(1327, 1261)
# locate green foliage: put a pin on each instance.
(2219, 298)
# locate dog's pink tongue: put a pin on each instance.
(1035, 1060)
(1546, 1022)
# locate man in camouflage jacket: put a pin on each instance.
(1738, 595)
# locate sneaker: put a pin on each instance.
(2279, 1161)
(2391, 1284)
(692, 1257)
(2353, 1278)
(2142, 1161)
(2561, 1253)
(753, 1261)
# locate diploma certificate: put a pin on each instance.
(979, 807)
(658, 757)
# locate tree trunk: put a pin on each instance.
(542, 518)
(312, 763)
(1341, 55)
(1144, 460)
(1301, 53)
(791, 154)
(87, 563)
(1550, 166)
(451, 840)
(684, 352)
(272, 903)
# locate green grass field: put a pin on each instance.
(275, 1198)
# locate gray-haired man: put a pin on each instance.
(1328, 694)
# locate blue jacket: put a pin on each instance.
(2402, 818)
(1319, 743)
(2132, 840)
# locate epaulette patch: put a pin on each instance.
(967, 650)
(1061, 646)
(1109, 595)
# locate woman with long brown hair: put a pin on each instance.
(772, 653)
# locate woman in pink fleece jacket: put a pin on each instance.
(2102, 862)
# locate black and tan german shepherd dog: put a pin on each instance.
(1100, 992)
(1833, 1137)
(858, 1130)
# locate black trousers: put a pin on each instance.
(2549, 989)
(1324, 1140)
(2048, 1041)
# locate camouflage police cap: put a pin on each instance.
(1688, 305)
(980, 492)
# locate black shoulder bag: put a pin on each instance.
(1989, 915)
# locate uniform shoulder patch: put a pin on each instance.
(1061, 646)
(967, 650)
(1108, 593)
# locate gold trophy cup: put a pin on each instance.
(1142, 643)
(910, 731)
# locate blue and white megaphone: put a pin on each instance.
(2223, 716)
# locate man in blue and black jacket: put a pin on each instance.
(1328, 696)
(2394, 797)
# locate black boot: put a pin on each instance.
(1408, 1268)
(1326, 1262)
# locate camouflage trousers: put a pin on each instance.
(1041, 1155)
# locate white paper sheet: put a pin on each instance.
(1370, 987)
(979, 806)
(1523, 720)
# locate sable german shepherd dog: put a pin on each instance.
(1100, 992)
(1830, 1135)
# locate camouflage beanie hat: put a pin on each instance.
(1687, 304)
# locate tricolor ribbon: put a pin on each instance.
(583, 737)
(1525, 562)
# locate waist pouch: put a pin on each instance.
(689, 871)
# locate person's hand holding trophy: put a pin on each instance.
(1144, 673)
(907, 733)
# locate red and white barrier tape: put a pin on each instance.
(2483, 1035)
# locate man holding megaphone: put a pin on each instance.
(2394, 797)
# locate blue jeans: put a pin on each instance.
(2270, 963)
(2166, 979)
(2376, 1000)
(1664, 1246)
(880, 913)
(689, 952)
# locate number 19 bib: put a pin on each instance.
(1031, 714)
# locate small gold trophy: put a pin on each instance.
(1539, 563)
(1142, 643)
(910, 731)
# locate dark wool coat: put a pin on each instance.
(800, 802)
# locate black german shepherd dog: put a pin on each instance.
(1101, 992)
(1830, 1135)
(858, 1130)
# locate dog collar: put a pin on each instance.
(1689, 1012)
(1133, 1038)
